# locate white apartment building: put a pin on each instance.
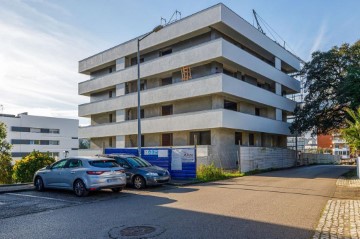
(26, 133)
(208, 79)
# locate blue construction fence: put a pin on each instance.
(180, 162)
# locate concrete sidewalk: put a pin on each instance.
(9, 188)
(341, 217)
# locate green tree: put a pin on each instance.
(332, 85)
(5, 157)
(25, 168)
(351, 134)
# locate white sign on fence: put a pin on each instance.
(180, 156)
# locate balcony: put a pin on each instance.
(219, 118)
(212, 84)
(219, 50)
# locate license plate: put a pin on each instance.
(111, 180)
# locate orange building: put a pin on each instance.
(325, 141)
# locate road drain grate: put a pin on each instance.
(138, 231)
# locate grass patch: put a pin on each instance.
(208, 173)
(350, 174)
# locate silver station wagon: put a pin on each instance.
(81, 174)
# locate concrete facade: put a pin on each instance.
(236, 92)
(45, 134)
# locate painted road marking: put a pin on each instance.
(48, 198)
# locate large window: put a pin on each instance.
(35, 141)
(200, 138)
(35, 130)
(238, 138)
(167, 110)
(167, 139)
(165, 52)
(251, 139)
(229, 105)
(166, 81)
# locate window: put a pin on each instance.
(75, 163)
(166, 81)
(167, 110)
(53, 142)
(104, 163)
(19, 154)
(20, 141)
(165, 52)
(35, 130)
(134, 60)
(54, 131)
(142, 113)
(20, 129)
(200, 138)
(229, 105)
(230, 73)
(110, 142)
(251, 139)
(110, 94)
(143, 85)
(44, 142)
(74, 137)
(142, 141)
(110, 70)
(59, 164)
(45, 131)
(166, 139)
(238, 138)
(257, 111)
(110, 118)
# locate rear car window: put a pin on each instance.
(104, 163)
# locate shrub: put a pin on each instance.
(25, 168)
(5, 157)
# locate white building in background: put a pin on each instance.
(208, 79)
(26, 133)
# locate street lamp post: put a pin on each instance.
(156, 29)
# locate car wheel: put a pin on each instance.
(80, 189)
(39, 184)
(116, 190)
(139, 182)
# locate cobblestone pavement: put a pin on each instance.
(354, 182)
(341, 218)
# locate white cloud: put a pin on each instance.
(320, 39)
(38, 61)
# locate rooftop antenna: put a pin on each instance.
(163, 21)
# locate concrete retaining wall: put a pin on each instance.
(308, 158)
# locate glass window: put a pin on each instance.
(251, 139)
(165, 52)
(35, 130)
(54, 131)
(104, 163)
(167, 110)
(54, 142)
(122, 162)
(238, 138)
(137, 162)
(166, 81)
(75, 163)
(229, 105)
(200, 138)
(166, 139)
(59, 164)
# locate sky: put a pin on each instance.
(42, 41)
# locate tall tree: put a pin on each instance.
(332, 85)
(351, 134)
(5, 157)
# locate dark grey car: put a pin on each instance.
(139, 172)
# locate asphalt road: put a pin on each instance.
(281, 204)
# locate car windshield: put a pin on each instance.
(137, 162)
(104, 163)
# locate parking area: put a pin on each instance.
(14, 204)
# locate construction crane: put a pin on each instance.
(257, 22)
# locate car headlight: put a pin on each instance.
(152, 174)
